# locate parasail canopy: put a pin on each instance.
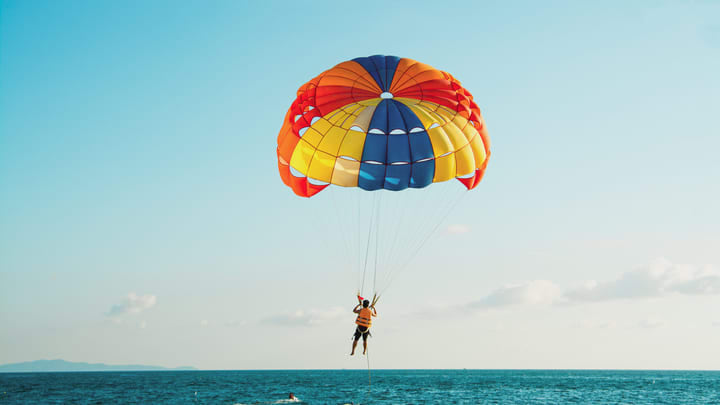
(381, 122)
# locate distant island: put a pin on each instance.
(58, 365)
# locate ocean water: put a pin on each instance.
(351, 386)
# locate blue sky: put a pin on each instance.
(137, 156)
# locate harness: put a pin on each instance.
(357, 330)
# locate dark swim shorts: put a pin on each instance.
(362, 331)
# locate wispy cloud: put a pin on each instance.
(133, 304)
(590, 324)
(457, 228)
(659, 278)
(651, 323)
(308, 318)
(536, 292)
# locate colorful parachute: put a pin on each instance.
(381, 122)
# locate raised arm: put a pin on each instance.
(357, 308)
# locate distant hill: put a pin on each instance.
(62, 365)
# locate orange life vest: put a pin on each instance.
(364, 318)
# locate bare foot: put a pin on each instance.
(352, 354)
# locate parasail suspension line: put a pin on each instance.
(367, 247)
(377, 242)
(392, 276)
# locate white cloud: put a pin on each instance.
(309, 318)
(457, 228)
(591, 324)
(235, 324)
(142, 325)
(537, 292)
(651, 323)
(659, 278)
(133, 304)
(204, 322)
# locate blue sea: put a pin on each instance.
(352, 386)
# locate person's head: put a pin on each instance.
(292, 396)
(366, 303)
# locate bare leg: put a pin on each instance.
(352, 353)
(364, 346)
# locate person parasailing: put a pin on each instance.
(383, 123)
(365, 311)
